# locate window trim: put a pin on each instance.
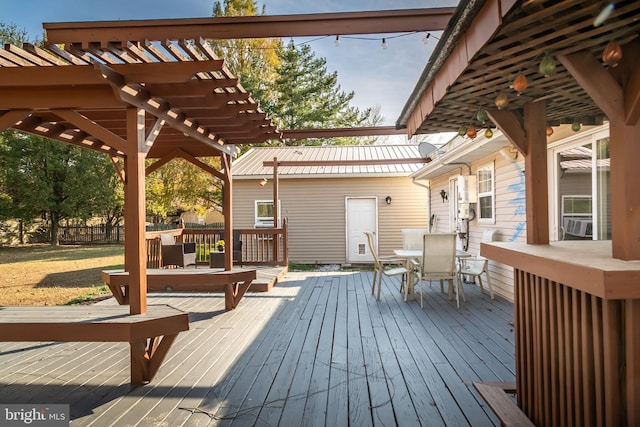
(264, 222)
(492, 194)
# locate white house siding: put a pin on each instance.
(509, 212)
(315, 208)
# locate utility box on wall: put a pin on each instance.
(467, 189)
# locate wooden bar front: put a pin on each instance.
(577, 335)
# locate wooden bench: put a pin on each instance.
(497, 397)
(233, 283)
(150, 335)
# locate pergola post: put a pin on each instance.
(276, 208)
(617, 93)
(530, 139)
(135, 253)
(227, 191)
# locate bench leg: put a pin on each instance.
(147, 356)
(233, 293)
(120, 294)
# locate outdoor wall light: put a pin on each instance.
(388, 200)
(263, 182)
(444, 195)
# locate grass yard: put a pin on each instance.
(47, 275)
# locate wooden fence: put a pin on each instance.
(84, 234)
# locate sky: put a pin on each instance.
(384, 77)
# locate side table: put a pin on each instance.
(216, 259)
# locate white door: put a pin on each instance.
(362, 215)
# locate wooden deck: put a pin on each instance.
(318, 349)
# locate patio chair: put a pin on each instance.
(385, 266)
(439, 262)
(480, 265)
(412, 240)
(178, 254)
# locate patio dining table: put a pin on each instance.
(411, 254)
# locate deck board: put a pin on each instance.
(318, 349)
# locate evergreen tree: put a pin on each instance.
(309, 96)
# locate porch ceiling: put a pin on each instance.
(488, 43)
(79, 94)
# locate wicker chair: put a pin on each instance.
(176, 254)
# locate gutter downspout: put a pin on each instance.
(428, 187)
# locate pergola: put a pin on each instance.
(132, 102)
(577, 305)
(138, 90)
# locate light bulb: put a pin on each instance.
(384, 43)
(337, 41)
(425, 40)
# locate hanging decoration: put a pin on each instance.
(576, 126)
(471, 132)
(488, 133)
(520, 83)
(547, 65)
(502, 100)
(482, 116)
(612, 54)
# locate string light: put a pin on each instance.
(338, 39)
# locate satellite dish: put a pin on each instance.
(425, 149)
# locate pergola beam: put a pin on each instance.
(79, 75)
(140, 97)
(246, 27)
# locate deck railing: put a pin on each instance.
(260, 246)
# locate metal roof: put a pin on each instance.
(326, 161)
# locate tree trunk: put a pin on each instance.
(54, 229)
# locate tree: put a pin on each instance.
(253, 61)
(291, 85)
(10, 33)
(180, 186)
(307, 95)
(45, 178)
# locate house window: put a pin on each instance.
(264, 213)
(581, 183)
(486, 187)
(577, 217)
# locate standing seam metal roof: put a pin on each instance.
(250, 164)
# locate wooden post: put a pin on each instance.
(535, 172)
(227, 211)
(531, 141)
(135, 254)
(617, 93)
(276, 219)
